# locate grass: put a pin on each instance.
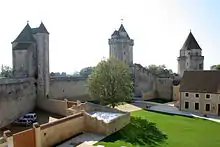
(161, 130)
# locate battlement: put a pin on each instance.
(119, 40)
(57, 78)
(7, 81)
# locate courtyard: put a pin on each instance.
(164, 130)
(42, 118)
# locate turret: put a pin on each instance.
(190, 58)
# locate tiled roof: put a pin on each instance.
(190, 43)
(207, 81)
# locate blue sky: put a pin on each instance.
(79, 30)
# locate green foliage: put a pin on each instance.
(139, 132)
(85, 72)
(111, 82)
(6, 71)
(215, 67)
(160, 70)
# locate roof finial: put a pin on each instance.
(190, 30)
(122, 21)
(27, 21)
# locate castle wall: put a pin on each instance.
(71, 88)
(164, 88)
(17, 97)
(144, 81)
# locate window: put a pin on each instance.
(196, 106)
(207, 96)
(124, 53)
(197, 53)
(186, 94)
(207, 107)
(197, 95)
(186, 105)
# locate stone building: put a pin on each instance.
(30, 51)
(190, 58)
(200, 92)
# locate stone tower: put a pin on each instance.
(121, 46)
(190, 56)
(31, 57)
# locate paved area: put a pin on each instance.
(128, 108)
(83, 140)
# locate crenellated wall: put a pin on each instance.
(71, 88)
(17, 97)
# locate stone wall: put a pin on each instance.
(17, 97)
(71, 88)
(53, 106)
(164, 87)
(61, 130)
(145, 82)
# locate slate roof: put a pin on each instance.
(121, 29)
(25, 35)
(190, 43)
(207, 81)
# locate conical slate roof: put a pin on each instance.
(40, 29)
(25, 35)
(121, 29)
(190, 43)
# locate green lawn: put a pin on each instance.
(161, 130)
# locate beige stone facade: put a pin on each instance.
(204, 103)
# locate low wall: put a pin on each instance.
(71, 88)
(17, 97)
(100, 127)
(54, 106)
(62, 129)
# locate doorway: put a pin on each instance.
(218, 109)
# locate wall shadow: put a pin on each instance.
(139, 132)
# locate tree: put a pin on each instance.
(6, 71)
(160, 70)
(215, 67)
(111, 82)
(85, 72)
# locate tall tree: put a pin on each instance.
(6, 71)
(111, 82)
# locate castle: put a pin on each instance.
(32, 84)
